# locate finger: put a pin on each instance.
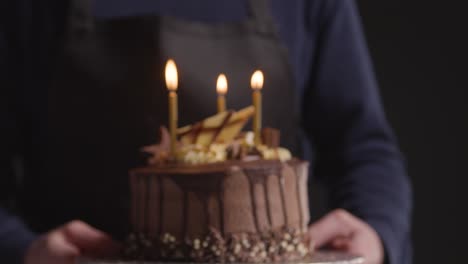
(341, 243)
(90, 240)
(335, 224)
(60, 250)
(366, 243)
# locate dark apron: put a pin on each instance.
(108, 99)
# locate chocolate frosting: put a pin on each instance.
(232, 197)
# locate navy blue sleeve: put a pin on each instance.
(357, 154)
(15, 237)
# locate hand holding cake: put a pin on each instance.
(214, 193)
(223, 195)
(340, 230)
(68, 242)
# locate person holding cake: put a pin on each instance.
(85, 90)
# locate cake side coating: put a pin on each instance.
(227, 212)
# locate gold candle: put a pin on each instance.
(171, 84)
(221, 89)
(256, 83)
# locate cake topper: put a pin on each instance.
(219, 137)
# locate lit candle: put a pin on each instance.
(256, 83)
(171, 84)
(221, 89)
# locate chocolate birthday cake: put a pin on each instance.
(220, 198)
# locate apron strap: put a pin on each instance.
(261, 13)
(80, 19)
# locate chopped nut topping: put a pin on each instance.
(273, 246)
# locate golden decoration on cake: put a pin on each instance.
(219, 137)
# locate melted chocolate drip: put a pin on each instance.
(221, 208)
(161, 203)
(260, 176)
(252, 200)
(207, 213)
(210, 186)
(139, 203)
(147, 198)
(153, 203)
(283, 199)
(267, 200)
(299, 200)
(185, 215)
(134, 210)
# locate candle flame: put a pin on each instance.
(222, 85)
(257, 80)
(171, 75)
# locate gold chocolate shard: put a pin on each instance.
(212, 121)
(235, 124)
(204, 132)
(211, 127)
(222, 127)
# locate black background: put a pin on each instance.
(419, 53)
